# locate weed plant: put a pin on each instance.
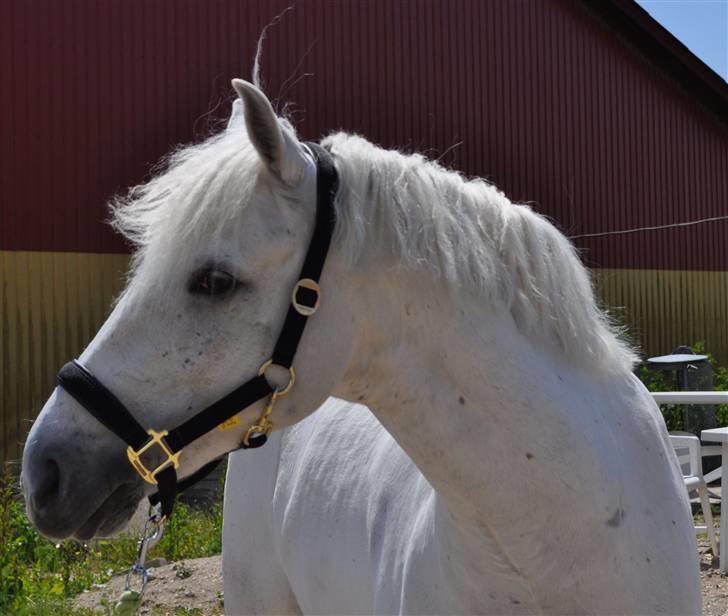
(38, 576)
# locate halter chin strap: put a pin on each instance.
(92, 395)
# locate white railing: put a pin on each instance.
(690, 397)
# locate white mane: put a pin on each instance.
(466, 232)
(469, 233)
(200, 189)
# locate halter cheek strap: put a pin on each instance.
(92, 395)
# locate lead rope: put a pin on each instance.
(130, 600)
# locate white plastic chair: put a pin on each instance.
(687, 448)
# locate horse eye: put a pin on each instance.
(212, 282)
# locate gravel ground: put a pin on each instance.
(715, 585)
(198, 584)
(195, 583)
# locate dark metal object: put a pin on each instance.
(693, 372)
(681, 363)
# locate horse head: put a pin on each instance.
(221, 236)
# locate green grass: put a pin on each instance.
(40, 577)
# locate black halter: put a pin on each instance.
(111, 412)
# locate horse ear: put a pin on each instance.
(236, 114)
(276, 144)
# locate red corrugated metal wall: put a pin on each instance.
(541, 97)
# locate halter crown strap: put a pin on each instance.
(92, 395)
(293, 326)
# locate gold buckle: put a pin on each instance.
(150, 476)
(264, 425)
(312, 285)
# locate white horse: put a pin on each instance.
(511, 462)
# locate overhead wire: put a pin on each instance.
(688, 223)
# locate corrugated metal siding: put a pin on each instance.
(664, 309)
(52, 304)
(538, 96)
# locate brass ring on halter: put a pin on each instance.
(311, 285)
(280, 392)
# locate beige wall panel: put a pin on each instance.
(51, 304)
(664, 309)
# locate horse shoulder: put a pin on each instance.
(343, 506)
(254, 581)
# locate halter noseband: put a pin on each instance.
(92, 395)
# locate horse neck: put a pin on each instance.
(475, 405)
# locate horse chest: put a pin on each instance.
(356, 528)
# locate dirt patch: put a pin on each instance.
(197, 584)
(188, 584)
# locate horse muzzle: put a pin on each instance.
(76, 489)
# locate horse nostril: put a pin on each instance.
(47, 488)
